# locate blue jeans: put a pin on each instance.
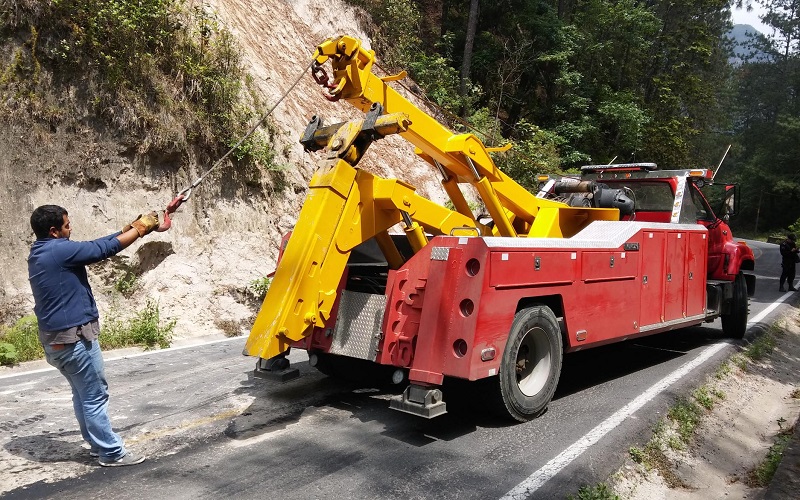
(81, 364)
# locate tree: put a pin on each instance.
(472, 25)
(767, 120)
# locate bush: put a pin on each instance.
(127, 284)
(535, 151)
(260, 286)
(597, 492)
(144, 329)
(8, 354)
(154, 68)
(20, 342)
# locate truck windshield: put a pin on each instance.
(649, 196)
(695, 207)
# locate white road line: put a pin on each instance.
(134, 355)
(535, 481)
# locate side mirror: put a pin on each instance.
(729, 206)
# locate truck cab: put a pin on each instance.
(672, 196)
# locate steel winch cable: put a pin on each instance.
(187, 192)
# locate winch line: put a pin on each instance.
(187, 192)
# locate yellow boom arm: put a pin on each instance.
(346, 206)
(462, 157)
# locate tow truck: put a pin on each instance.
(620, 252)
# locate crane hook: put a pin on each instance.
(171, 207)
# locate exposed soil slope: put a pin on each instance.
(227, 234)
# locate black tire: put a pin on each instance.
(531, 364)
(734, 324)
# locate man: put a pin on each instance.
(68, 319)
(789, 258)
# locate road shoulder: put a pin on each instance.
(754, 405)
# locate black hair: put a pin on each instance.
(791, 236)
(45, 217)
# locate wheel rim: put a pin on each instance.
(533, 362)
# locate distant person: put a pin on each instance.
(789, 259)
(68, 319)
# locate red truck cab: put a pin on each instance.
(675, 196)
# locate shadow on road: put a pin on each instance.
(584, 369)
(277, 406)
(48, 447)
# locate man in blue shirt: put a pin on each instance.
(68, 319)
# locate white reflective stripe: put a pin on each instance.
(676, 209)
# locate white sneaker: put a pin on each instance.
(127, 459)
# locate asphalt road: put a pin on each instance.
(213, 431)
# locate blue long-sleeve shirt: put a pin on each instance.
(57, 274)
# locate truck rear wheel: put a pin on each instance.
(734, 324)
(531, 364)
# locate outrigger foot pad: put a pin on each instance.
(420, 401)
(276, 369)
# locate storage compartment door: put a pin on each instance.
(696, 258)
(675, 280)
(652, 277)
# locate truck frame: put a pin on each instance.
(582, 263)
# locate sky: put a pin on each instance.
(741, 16)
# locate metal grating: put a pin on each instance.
(358, 326)
(441, 253)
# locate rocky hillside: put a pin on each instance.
(227, 234)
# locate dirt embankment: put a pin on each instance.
(227, 234)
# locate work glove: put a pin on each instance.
(144, 224)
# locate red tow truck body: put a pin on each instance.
(618, 252)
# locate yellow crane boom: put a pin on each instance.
(346, 206)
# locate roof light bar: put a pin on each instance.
(629, 167)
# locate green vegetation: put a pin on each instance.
(260, 286)
(8, 354)
(165, 71)
(758, 349)
(546, 64)
(637, 454)
(597, 492)
(762, 475)
(722, 370)
(703, 396)
(652, 457)
(762, 346)
(144, 329)
(675, 432)
(20, 342)
(126, 284)
(686, 415)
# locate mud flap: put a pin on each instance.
(750, 279)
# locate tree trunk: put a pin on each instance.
(472, 26)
